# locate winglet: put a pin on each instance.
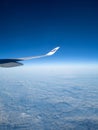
(52, 51)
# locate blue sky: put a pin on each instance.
(34, 27)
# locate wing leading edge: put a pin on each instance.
(15, 62)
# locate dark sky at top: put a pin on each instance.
(33, 27)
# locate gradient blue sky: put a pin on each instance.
(33, 27)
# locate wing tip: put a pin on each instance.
(52, 51)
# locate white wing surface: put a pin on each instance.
(34, 57)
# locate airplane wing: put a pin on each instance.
(34, 57)
(13, 62)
